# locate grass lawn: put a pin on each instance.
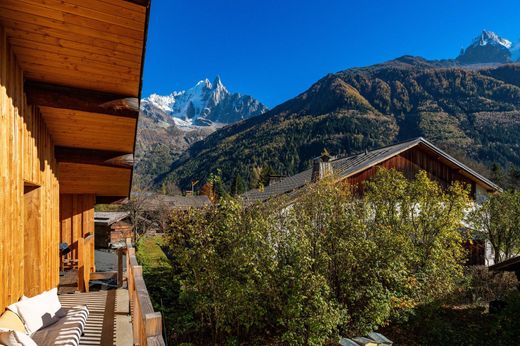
(158, 276)
(150, 254)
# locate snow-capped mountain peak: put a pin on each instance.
(489, 37)
(164, 103)
(488, 48)
(206, 103)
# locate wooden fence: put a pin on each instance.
(146, 323)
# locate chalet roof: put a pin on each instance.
(107, 218)
(510, 265)
(176, 202)
(348, 166)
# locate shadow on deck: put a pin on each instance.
(109, 320)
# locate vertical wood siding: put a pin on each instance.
(77, 222)
(410, 163)
(27, 266)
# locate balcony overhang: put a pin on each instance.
(83, 65)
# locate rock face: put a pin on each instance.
(168, 125)
(206, 104)
(472, 112)
(488, 48)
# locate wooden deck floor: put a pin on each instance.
(109, 320)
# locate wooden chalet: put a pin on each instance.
(112, 229)
(509, 265)
(70, 83)
(409, 158)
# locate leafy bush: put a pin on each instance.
(470, 325)
(499, 219)
(300, 271)
(484, 285)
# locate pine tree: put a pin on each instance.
(238, 186)
(256, 173)
(265, 175)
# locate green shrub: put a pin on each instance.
(301, 271)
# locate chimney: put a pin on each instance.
(321, 167)
(273, 179)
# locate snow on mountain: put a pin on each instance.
(489, 37)
(206, 104)
(488, 48)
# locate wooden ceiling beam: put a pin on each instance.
(57, 96)
(144, 3)
(111, 199)
(94, 157)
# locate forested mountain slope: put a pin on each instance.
(471, 111)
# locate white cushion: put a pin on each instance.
(14, 338)
(14, 308)
(39, 311)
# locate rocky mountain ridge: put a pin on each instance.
(489, 48)
(472, 112)
(169, 124)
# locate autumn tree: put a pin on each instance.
(137, 205)
(498, 219)
(326, 262)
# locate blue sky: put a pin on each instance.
(275, 49)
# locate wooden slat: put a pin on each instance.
(32, 242)
(30, 14)
(100, 52)
(103, 275)
(89, 179)
(110, 199)
(77, 129)
(64, 35)
(139, 2)
(77, 222)
(68, 61)
(80, 8)
(136, 13)
(94, 157)
(56, 76)
(56, 96)
(134, 5)
(81, 72)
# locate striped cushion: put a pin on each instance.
(67, 331)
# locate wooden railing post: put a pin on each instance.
(119, 268)
(153, 324)
(85, 262)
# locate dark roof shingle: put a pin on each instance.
(345, 167)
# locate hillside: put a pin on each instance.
(473, 112)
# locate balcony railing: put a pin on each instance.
(146, 323)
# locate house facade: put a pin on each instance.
(409, 158)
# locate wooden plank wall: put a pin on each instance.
(410, 163)
(26, 159)
(77, 222)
